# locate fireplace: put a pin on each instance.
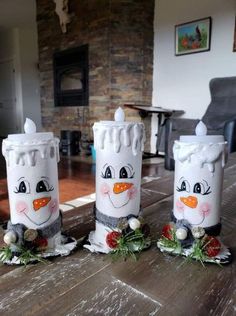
(71, 77)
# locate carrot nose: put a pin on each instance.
(38, 203)
(120, 187)
(190, 201)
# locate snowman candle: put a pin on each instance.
(32, 178)
(199, 168)
(118, 146)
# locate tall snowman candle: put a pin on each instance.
(34, 228)
(119, 226)
(199, 168)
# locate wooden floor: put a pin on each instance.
(76, 179)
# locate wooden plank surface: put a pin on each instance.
(157, 284)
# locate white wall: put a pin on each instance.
(20, 45)
(30, 75)
(181, 82)
(19, 42)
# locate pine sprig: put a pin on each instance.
(198, 252)
(130, 245)
(5, 254)
(172, 242)
(168, 243)
(25, 255)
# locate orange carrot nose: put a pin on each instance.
(38, 203)
(190, 201)
(120, 187)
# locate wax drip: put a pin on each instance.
(204, 153)
(31, 158)
(127, 139)
(116, 139)
(118, 135)
(27, 152)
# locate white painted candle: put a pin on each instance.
(199, 163)
(118, 146)
(32, 180)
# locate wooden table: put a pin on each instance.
(157, 284)
(162, 115)
(144, 110)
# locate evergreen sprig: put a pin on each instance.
(130, 245)
(5, 254)
(25, 255)
(198, 252)
(171, 243)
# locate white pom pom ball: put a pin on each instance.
(181, 233)
(134, 223)
(9, 238)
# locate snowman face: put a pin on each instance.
(118, 184)
(33, 194)
(193, 200)
(40, 209)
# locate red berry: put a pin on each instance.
(167, 231)
(112, 239)
(211, 246)
(40, 243)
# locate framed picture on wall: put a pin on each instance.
(234, 47)
(193, 37)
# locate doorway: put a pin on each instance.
(8, 102)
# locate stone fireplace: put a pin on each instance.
(119, 38)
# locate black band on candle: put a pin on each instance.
(110, 221)
(45, 232)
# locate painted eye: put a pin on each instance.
(43, 186)
(200, 188)
(184, 186)
(109, 173)
(126, 173)
(23, 187)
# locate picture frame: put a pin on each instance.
(234, 45)
(193, 37)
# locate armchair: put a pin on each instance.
(219, 118)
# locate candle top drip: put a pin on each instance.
(24, 149)
(203, 148)
(29, 126)
(119, 133)
(119, 115)
(201, 129)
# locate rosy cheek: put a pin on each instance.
(104, 189)
(53, 205)
(132, 192)
(205, 209)
(179, 206)
(21, 207)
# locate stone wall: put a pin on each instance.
(120, 38)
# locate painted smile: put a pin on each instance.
(197, 224)
(32, 221)
(116, 206)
